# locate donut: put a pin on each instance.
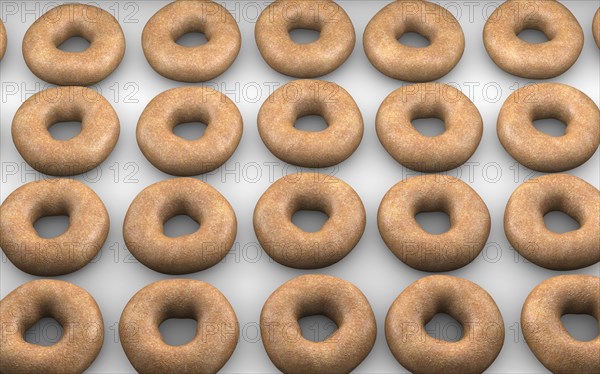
(99, 130)
(3, 41)
(528, 60)
(216, 333)
(47, 33)
(301, 98)
(178, 156)
(191, 64)
(465, 301)
(335, 44)
(156, 204)
(291, 246)
(71, 306)
(596, 27)
(462, 121)
(66, 253)
(544, 332)
(399, 61)
(538, 150)
(527, 233)
(469, 217)
(315, 294)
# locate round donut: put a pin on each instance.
(528, 60)
(335, 44)
(544, 332)
(301, 98)
(465, 301)
(156, 204)
(596, 27)
(3, 40)
(47, 33)
(178, 156)
(71, 306)
(99, 130)
(291, 246)
(527, 233)
(309, 295)
(66, 253)
(216, 334)
(191, 64)
(399, 61)
(462, 121)
(538, 150)
(469, 217)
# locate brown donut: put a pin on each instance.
(462, 121)
(540, 151)
(309, 295)
(291, 246)
(179, 156)
(335, 44)
(544, 332)
(47, 33)
(596, 27)
(216, 334)
(465, 301)
(191, 64)
(301, 98)
(407, 63)
(99, 130)
(3, 40)
(156, 204)
(527, 60)
(66, 253)
(525, 229)
(469, 217)
(71, 306)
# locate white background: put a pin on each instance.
(246, 281)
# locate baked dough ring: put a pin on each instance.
(156, 204)
(461, 244)
(66, 253)
(47, 33)
(335, 44)
(527, 233)
(462, 121)
(3, 40)
(178, 156)
(309, 295)
(528, 60)
(71, 306)
(301, 98)
(596, 27)
(544, 332)
(407, 63)
(191, 64)
(99, 130)
(540, 151)
(291, 246)
(216, 334)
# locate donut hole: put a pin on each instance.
(74, 44)
(65, 130)
(190, 130)
(304, 35)
(180, 225)
(550, 126)
(582, 327)
(311, 123)
(532, 36)
(192, 39)
(434, 222)
(560, 222)
(51, 226)
(429, 126)
(45, 332)
(443, 327)
(178, 331)
(317, 328)
(309, 220)
(414, 39)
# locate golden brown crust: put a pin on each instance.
(216, 334)
(3, 40)
(66, 253)
(309, 295)
(71, 306)
(544, 332)
(191, 64)
(465, 301)
(99, 130)
(97, 26)
(300, 98)
(526, 231)
(596, 27)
